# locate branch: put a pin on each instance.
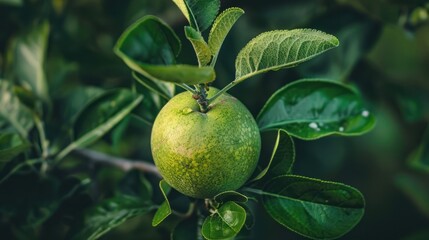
(121, 163)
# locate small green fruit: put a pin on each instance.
(203, 154)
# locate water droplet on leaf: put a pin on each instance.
(314, 126)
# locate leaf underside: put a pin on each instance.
(281, 49)
(221, 27)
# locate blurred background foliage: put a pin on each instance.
(56, 57)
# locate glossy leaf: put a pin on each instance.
(29, 56)
(149, 40)
(150, 47)
(101, 116)
(186, 230)
(417, 190)
(15, 113)
(221, 27)
(107, 215)
(225, 223)
(200, 13)
(281, 49)
(310, 109)
(282, 158)
(11, 145)
(230, 196)
(420, 157)
(313, 208)
(200, 46)
(165, 90)
(164, 210)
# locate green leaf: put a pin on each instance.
(100, 116)
(281, 49)
(230, 196)
(76, 100)
(103, 109)
(152, 103)
(149, 40)
(200, 13)
(15, 113)
(179, 73)
(164, 210)
(417, 190)
(221, 27)
(310, 109)
(165, 90)
(107, 215)
(11, 145)
(135, 184)
(420, 157)
(282, 158)
(226, 222)
(200, 46)
(28, 60)
(313, 208)
(186, 230)
(150, 47)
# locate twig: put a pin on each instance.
(121, 163)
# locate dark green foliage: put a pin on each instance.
(64, 88)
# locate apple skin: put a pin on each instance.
(204, 154)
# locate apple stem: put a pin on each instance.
(187, 87)
(223, 90)
(201, 98)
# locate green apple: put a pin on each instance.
(203, 154)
